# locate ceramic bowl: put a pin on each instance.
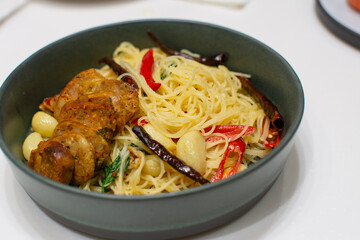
(169, 215)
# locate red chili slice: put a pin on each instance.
(234, 146)
(146, 70)
(142, 122)
(273, 138)
(230, 131)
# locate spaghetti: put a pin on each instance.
(192, 98)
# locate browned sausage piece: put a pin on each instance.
(99, 116)
(121, 95)
(52, 160)
(90, 82)
(101, 147)
(48, 105)
(109, 97)
(83, 83)
(128, 96)
(83, 153)
(89, 105)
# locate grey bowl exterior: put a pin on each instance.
(166, 215)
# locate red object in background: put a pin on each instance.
(355, 4)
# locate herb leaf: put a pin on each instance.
(163, 76)
(111, 171)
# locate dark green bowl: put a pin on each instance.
(166, 215)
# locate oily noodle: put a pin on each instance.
(192, 96)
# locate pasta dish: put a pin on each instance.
(180, 124)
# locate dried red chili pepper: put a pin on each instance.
(277, 121)
(146, 70)
(237, 146)
(166, 156)
(119, 70)
(270, 109)
(211, 61)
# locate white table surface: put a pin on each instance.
(318, 194)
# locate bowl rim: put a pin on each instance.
(71, 189)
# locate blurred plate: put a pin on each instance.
(9, 7)
(230, 3)
(341, 19)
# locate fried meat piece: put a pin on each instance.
(49, 104)
(99, 116)
(52, 160)
(90, 110)
(100, 145)
(90, 82)
(83, 83)
(83, 153)
(124, 97)
(125, 109)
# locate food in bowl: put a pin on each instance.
(150, 121)
(178, 214)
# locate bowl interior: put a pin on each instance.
(47, 71)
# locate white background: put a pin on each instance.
(318, 194)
